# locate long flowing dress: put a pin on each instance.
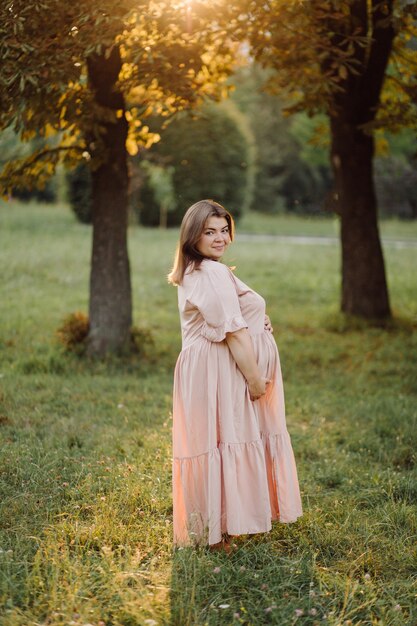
(233, 464)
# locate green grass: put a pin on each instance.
(85, 460)
(321, 226)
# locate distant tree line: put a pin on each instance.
(244, 152)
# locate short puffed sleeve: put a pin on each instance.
(214, 294)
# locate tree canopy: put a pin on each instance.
(355, 61)
(171, 58)
(319, 49)
(87, 75)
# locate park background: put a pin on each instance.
(86, 509)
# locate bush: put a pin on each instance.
(73, 331)
(79, 192)
(396, 184)
(47, 194)
(209, 154)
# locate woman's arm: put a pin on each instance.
(240, 345)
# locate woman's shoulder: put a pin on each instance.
(208, 273)
(216, 268)
(207, 267)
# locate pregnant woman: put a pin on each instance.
(233, 465)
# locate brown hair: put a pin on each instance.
(192, 227)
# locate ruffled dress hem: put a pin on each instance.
(247, 485)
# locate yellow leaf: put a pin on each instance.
(131, 146)
(343, 73)
(49, 131)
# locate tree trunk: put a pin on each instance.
(110, 311)
(364, 287)
(163, 216)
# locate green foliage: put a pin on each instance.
(290, 174)
(85, 460)
(292, 155)
(160, 182)
(396, 174)
(396, 184)
(11, 148)
(208, 154)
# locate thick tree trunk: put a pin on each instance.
(110, 311)
(364, 287)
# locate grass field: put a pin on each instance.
(319, 226)
(85, 472)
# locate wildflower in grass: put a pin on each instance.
(311, 593)
(299, 612)
(224, 606)
(397, 607)
(268, 609)
(216, 570)
(313, 611)
(367, 576)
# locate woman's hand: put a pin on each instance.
(268, 325)
(257, 388)
(241, 346)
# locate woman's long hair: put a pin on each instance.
(192, 227)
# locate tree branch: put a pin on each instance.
(30, 160)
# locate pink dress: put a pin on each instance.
(233, 464)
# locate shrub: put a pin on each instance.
(209, 156)
(79, 192)
(47, 194)
(73, 331)
(396, 184)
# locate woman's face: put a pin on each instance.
(215, 238)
